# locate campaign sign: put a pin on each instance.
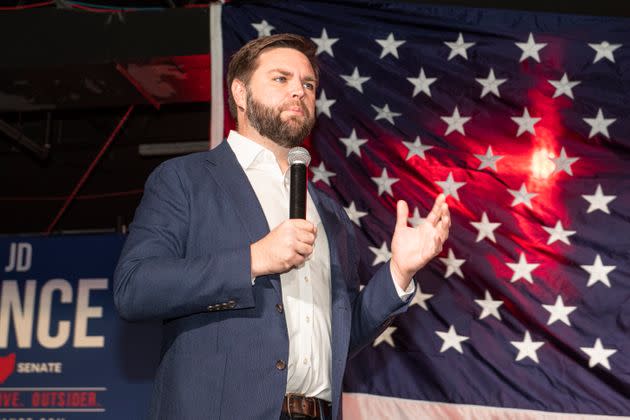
(64, 352)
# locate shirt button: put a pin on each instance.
(308, 319)
(279, 307)
(280, 365)
(306, 279)
(305, 361)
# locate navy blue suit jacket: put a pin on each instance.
(186, 262)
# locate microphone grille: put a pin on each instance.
(299, 155)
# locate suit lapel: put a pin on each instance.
(231, 178)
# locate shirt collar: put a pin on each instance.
(246, 150)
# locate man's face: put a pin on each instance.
(281, 96)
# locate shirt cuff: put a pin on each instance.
(405, 294)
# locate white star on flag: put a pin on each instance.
(420, 298)
(522, 269)
(321, 174)
(354, 214)
(455, 123)
(416, 148)
(416, 220)
(386, 336)
(599, 124)
(450, 187)
(452, 265)
(598, 201)
(390, 45)
(527, 348)
(598, 272)
(323, 104)
(525, 123)
(530, 48)
(489, 306)
(598, 354)
(459, 47)
(559, 312)
(491, 84)
(384, 183)
(451, 340)
(485, 228)
(324, 44)
(563, 163)
(353, 143)
(522, 196)
(604, 50)
(421, 83)
(382, 254)
(355, 80)
(564, 86)
(488, 160)
(263, 28)
(557, 233)
(385, 114)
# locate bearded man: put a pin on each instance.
(260, 312)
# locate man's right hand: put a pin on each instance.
(285, 247)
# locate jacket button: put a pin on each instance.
(231, 304)
(279, 307)
(280, 365)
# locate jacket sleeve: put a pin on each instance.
(155, 277)
(375, 307)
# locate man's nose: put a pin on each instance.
(297, 89)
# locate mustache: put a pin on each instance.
(299, 104)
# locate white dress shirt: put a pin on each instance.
(306, 289)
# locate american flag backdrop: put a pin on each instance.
(523, 120)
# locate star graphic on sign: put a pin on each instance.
(416, 148)
(522, 196)
(416, 220)
(599, 124)
(563, 163)
(522, 269)
(559, 312)
(382, 254)
(321, 174)
(455, 122)
(263, 28)
(421, 83)
(353, 143)
(598, 272)
(527, 348)
(453, 265)
(451, 340)
(450, 187)
(459, 47)
(489, 160)
(564, 86)
(355, 80)
(386, 336)
(390, 45)
(525, 123)
(354, 214)
(489, 306)
(420, 298)
(485, 228)
(598, 201)
(324, 44)
(604, 50)
(557, 233)
(385, 114)
(384, 183)
(323, 104)
(598, 354)
(491, 84)
(530, 48)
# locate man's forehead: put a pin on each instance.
(282, 58)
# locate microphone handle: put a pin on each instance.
(297, 190)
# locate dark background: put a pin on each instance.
(69, 75)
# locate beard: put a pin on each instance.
(268, 122)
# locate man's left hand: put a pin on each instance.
(414, 247)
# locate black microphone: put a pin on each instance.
(299, 158)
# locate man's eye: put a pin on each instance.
(280, 78)
(309, 86)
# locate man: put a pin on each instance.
(260, 313)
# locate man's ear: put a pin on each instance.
(239, 93)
